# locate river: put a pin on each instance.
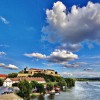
(81, 91)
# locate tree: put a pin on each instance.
(25, 89)
(40, 88)
(33, 84)
(49, 86)
(1, 82)
(61, 84)
(70, 82)
(12, 75)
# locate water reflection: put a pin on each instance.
(51, 97)
(41, 97)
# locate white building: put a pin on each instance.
(9, 81)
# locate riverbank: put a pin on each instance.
(10, 96)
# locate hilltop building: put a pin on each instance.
(32, 71)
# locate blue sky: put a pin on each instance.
(62, 35)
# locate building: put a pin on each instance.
(32, 71)
(51, 72)
(9, 81)
(3, 76)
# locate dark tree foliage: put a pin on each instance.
(48, 78)
(12, 75)
(40, 88)
(49, 86)
(1, 82)
(33, 84)
(25, 89)
(70, 82)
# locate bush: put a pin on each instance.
(33, 96)
(70, 82)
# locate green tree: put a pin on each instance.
(12, 75)
(40, 88)
(70, 82)
(61, 84)
(33, 84)
(25, 89)
(1, 82)
(49, 86)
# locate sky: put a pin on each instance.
(61, 35)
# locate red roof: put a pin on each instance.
(35, 69)
(28, 79)
(3, 75)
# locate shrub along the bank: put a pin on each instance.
(70, 82)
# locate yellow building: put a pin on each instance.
(32, 71)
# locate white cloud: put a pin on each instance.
(10, 66)
(4, 20)
(61, 56)
(2, 53)
(57, 56)
(81, 24)
(36, 55)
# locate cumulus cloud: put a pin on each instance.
(61, 56)
(79, 25)
(2, 53)
(36, 55)
(57, 56)
(4, 20)
(10, 66)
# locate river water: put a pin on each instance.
(81, 91)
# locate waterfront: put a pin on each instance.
(82, 91)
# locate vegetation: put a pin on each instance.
(33, 84)
(33, 96)
(1, 82)
(12, 75)
(40, 88)
(25, 89)
(48, 78)
(49, 86)
(70, 82)
(88, 79)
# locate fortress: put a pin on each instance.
(29, 72)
